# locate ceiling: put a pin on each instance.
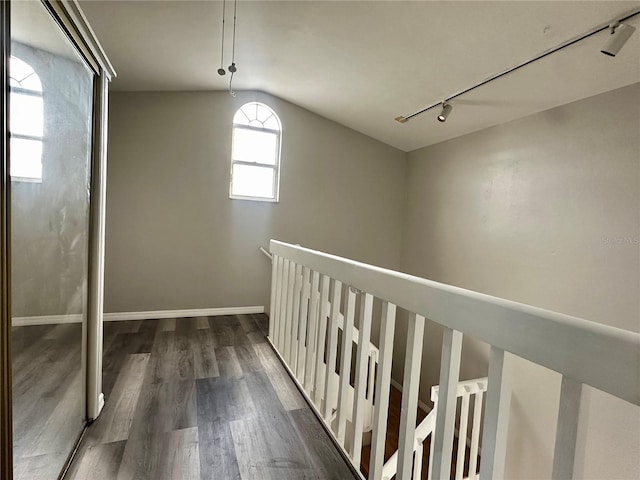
(363, 63)
(31, 25)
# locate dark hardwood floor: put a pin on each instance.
(201, 398)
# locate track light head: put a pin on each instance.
(446, 110)
(221, 71)
(232, 68)
(619, 33)
(401, 119)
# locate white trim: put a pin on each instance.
(197, 312)
(46, 320)
(122, 316)
(88, 36)
(95, 274)
(278, 155)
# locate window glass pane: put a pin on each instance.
(22, 75)
(249, 110)
(26, 158)
(26, 115)
(262, 113)
(272, 123)
(32, 82)
(252, 181)
(254, 146)
(240, 118)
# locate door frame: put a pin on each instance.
(6, 419)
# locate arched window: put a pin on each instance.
(255, 153)
(26, 122)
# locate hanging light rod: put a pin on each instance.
(607, 26)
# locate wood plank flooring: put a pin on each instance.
(48, 398)
(201, 398)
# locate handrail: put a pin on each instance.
(602, 356)
(266, 252)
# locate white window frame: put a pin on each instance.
(13, 90)
(275, 167)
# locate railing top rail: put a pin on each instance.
(604, 357)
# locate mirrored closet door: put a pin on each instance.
(52, 203)
(50, 130)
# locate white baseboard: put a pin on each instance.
(46, 320)
(197, 312)
(423, 406)
(121, 316)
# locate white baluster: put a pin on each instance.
(417, 462)
(309, 353)
(291, 288)
(274, 288)
(435, 409)
(383, 381)
(371, 377)
(282, 326)
(496, 417)
(332, 351)
(321, 340)
(292, 355)
(345, 367)
(567, 430)
(410, 386)
(302, 325)
(462, 436)
(360, 387)
(447, 401)
(475, 434)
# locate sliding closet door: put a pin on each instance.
(51, 97)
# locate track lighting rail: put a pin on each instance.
(405, 118)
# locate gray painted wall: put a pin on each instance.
(544, 210)
(176, 241)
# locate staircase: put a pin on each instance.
(465, 461)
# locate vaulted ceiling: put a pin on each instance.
(363, 63)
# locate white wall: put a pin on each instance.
(174, 239)
(544, 210)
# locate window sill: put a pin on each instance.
(254, 199)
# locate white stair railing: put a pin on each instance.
(307, 310)
(466, 392)
(305, 358)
